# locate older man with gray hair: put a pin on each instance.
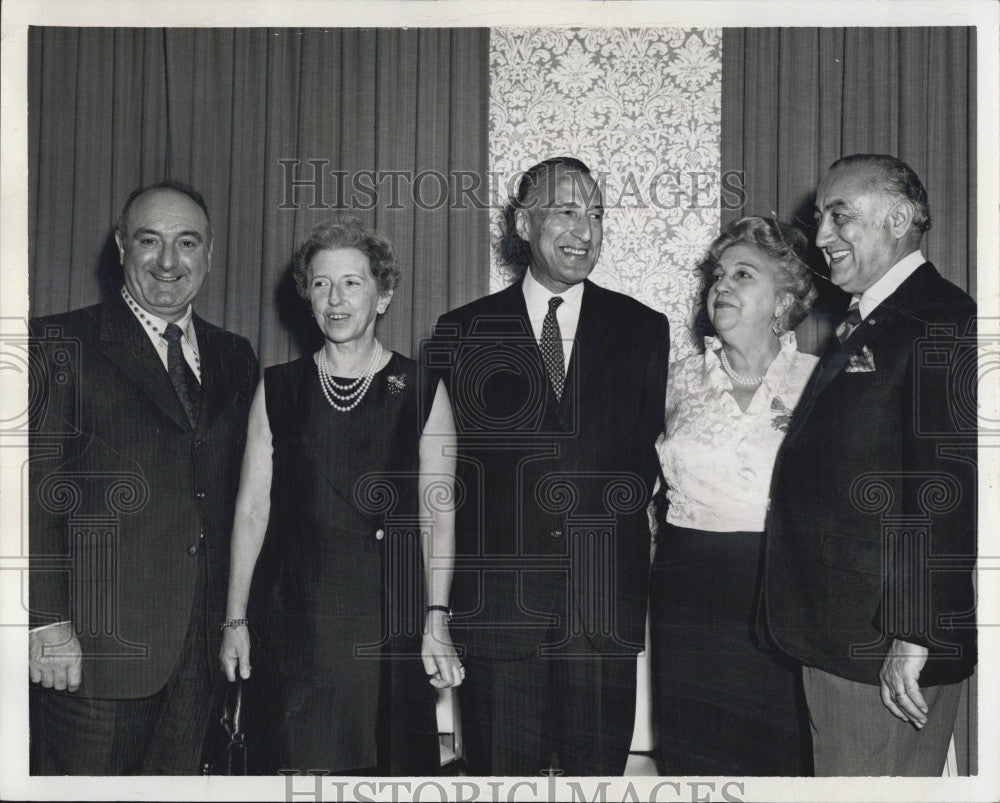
(137, 434)
(871, 542)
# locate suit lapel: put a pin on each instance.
(837, 356)
(125, 344)
(588, 345)
(590, 342)
(511, 323)
(215, 384)
(510, 302)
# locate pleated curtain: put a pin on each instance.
(796, 99)
(239, 113)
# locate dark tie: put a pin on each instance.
(552, 348)
(850, 323)
(183, 378)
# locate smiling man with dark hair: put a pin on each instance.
(872, 531)
(556, 388)
(136, 439)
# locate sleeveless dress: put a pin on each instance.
(339, 581)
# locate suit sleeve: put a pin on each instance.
(253, 369)
(656, 374)
(52, 425)
(929, 595)
(655, 387)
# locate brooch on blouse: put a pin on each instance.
(784, 417)
(397, 383)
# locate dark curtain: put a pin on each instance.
(242, 114)
(796, 99)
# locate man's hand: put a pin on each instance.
(54, 657)
(899, 674)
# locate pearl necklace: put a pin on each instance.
(346, 397)
(745, 381)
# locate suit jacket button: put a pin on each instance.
(556, 533)
(200, 495)
(380, 534)
(192, 550)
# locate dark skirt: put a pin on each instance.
(722, 704)
(360, 705)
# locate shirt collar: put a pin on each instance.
(889, 282)
(156, 326)
(536, 296)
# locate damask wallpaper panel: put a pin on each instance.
(642, 107)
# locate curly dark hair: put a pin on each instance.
(515, 251)
(782, 243)
(347, 232)
(897, 179)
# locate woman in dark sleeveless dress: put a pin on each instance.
(330, 477)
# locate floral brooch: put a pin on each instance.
(397, 383)
(784, 417)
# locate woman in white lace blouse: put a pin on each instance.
(723, 704)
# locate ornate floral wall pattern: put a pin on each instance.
(641, 106)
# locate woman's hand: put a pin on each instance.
(438, 653)
(235, 651)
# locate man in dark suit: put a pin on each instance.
(871, 539)
(557, 390)
(139, 421)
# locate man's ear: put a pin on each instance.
(522, 224)
(121, 248)
(900, 218)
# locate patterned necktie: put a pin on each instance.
(850, 323)
(552, 348)
(181, 375)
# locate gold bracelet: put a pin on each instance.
(234, 623)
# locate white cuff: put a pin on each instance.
(46, 627)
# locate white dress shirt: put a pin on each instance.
(889, 283)
(155, 327)
(536, 298)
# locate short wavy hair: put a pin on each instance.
(896, 178)
(514, 251)
(780, 242)
(346, 232)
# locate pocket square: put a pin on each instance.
(861, 363)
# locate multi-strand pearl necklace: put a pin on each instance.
(346, 397)
(745, 381)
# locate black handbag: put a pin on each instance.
(235, 756)
(228, 754)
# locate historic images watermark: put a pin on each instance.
(316, 787)
(314, 184)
